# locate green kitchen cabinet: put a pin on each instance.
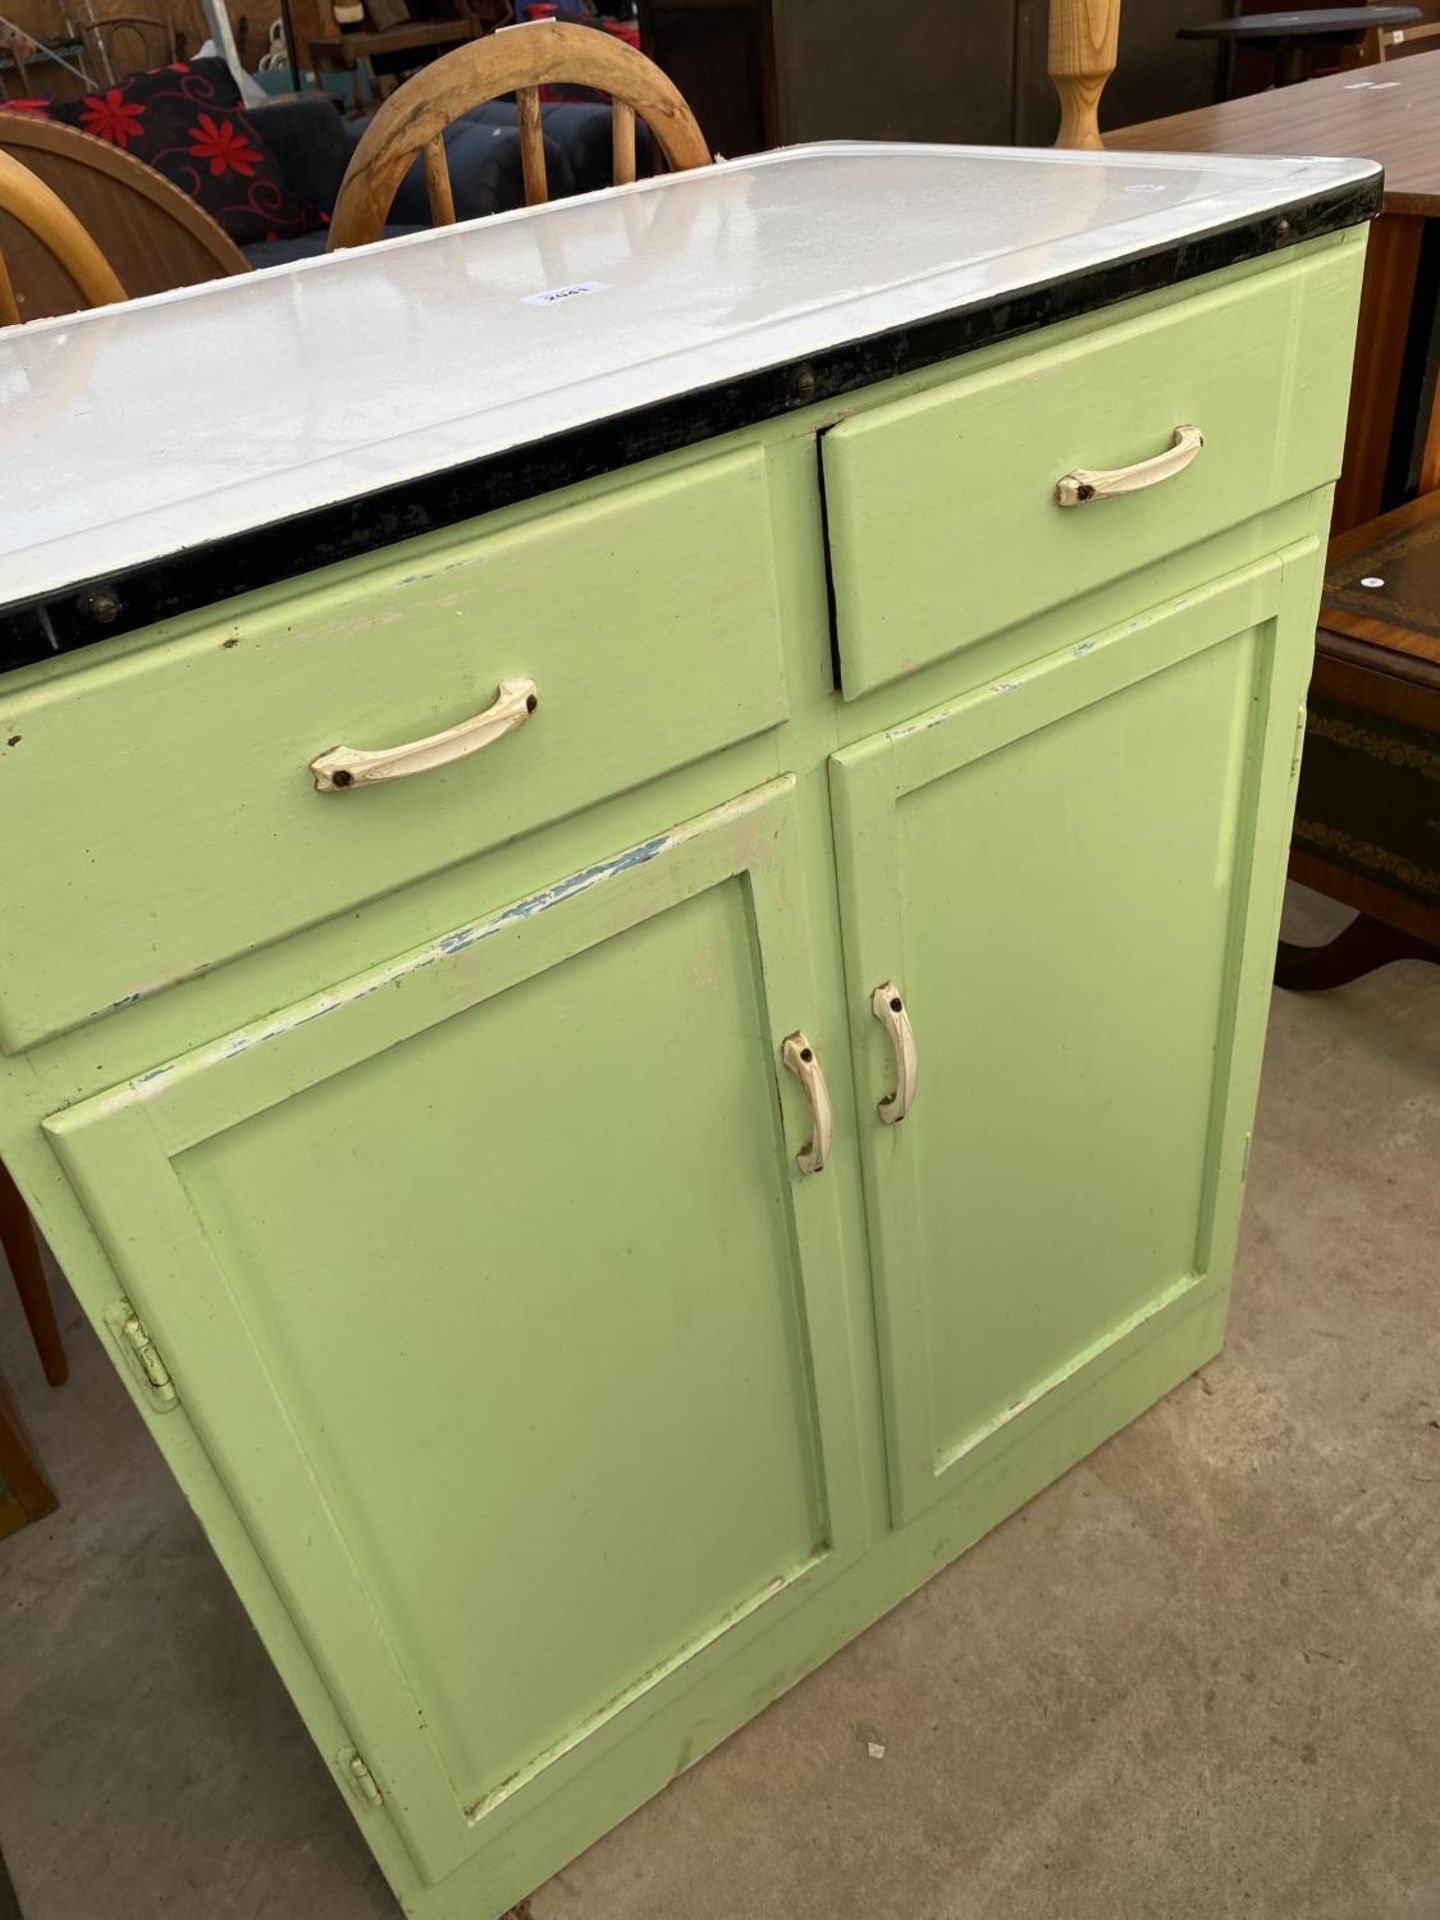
(633, 976)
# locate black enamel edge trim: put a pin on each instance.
(221, 570)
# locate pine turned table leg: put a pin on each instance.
(1084, 36)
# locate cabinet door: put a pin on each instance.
(492, 1287)
(1071, 878)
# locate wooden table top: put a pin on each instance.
(1399, 609)
(1389, 113)
(1311, 23)
(373, 40)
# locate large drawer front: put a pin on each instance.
(159, 811)
(944, 522)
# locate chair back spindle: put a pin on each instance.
(622, 144)
(437, 183)
(532, 147)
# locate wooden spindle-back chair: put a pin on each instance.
(1388, 43)
(44, 215)
(156, 237)
(518, 60)
(120, 44)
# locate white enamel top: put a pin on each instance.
(136, 431)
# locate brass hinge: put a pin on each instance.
(1299, 740)
(142, 1356)
(359, 1778)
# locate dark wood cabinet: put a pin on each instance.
(764, 73)
(721, 55)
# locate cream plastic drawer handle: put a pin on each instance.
(801, 1059)
(1095, 483)
(889, 1009)
(343, 767)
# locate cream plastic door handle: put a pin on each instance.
(343, 767)
(889, 1009)
(801, 1059)
(1098, 483)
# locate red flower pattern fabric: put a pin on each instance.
(223, 144)
(186, 121)
(110, 116)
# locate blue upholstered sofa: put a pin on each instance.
(313, 145)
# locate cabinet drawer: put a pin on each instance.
(942, 509)
(160, 812)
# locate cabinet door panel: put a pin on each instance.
(491, 1285)
(1057, 872)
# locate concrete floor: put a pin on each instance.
(1198, 1679)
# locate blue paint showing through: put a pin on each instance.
(449, 943)
(552, 896)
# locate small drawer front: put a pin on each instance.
(161, 815)
(945, 523)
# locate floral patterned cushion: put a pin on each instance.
(186, 121)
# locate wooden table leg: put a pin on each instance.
(1356, 950)
(1414, 464)
(1392, 437)
(9, 1905)
(1392, 265)
(1292, 62)
(25, 1493)
(22, 1250)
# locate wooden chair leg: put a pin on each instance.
(1356, 950)
(22, 1250)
